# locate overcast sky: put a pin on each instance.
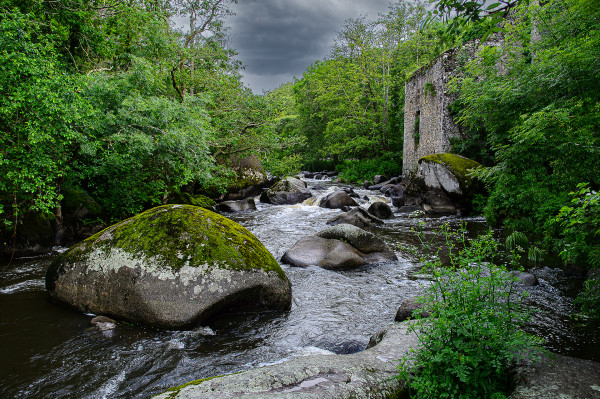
(277, 39)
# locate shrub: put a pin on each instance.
(467, 345)
(359, 170)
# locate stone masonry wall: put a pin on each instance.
(427, 100)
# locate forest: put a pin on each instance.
(113, 101)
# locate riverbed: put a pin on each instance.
(50, 351)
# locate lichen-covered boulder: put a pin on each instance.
(443, 184)
(286, 192)
(172, 266)
(339, 247)
(381, 210)
(357, 216)
(337, 200)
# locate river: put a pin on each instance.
(50, 351)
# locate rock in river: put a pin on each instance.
(172, 266)
(337, 200)
(286, 192)
(358, 217)
(339, 247)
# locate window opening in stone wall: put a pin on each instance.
(417, 134)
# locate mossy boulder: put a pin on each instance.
(286, 192)
(444, 184)
(172, 266)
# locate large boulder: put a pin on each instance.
(172, 266)
(357, 216)
(286, 192)
(337, 200)
(381, 210)
(339, 247)
(443, 184)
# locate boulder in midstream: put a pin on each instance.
(172, 266)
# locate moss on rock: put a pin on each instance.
(457, 164)
(174, 236)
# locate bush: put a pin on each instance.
(359, 170)
(467, 345)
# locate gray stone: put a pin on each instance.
(557, 377)
(367, 374)
(337, 200)
(360, 239)
(381, 210)
(407, 307)
(172, 266)
(357, 216)
(367, 184)
(237, 206)
(339, 247)
(326, 253)
(286, 192)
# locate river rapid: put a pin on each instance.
(50, 351)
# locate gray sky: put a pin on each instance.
(277, 39)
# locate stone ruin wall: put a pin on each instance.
(427, 98)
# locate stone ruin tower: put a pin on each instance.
(428, 125)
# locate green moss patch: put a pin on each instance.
(174, 236)
(458, 165)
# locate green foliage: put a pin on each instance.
(580, 226)
(472, 336)
(39, 105)
(389, 164)
(589, 298)
(535, 121)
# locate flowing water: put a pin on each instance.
(49, 351)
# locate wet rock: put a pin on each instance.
(557, 377)
(346, 209)
(386, 187)
(443, 184)
(381, 210)
(318, 188)
(339, 247)
(308, 175)
(367, 184)
(525, 279)
(328, 254)
(357, 216)
(407, 307)
(104, 323)
(319, 176)
(398, 202)
(337, 200)
(286, 192)
(367, 374)
(172, 266)
(237, 206)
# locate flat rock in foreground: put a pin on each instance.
(367, 374)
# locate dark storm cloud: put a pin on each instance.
(278, 39)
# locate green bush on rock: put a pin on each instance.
(473, 336)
